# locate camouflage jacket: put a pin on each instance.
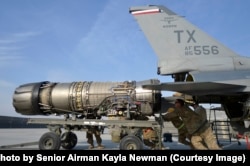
(192, 120)
(202, 112)
(176, 121)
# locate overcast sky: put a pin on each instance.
(98, 40)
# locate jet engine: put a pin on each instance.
(87, 98)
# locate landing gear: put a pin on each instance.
(131, 142)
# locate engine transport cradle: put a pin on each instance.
(128, 133)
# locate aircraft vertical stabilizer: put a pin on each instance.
(180, 46)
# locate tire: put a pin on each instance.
(69, 140)
(131, 142)
(50, 141)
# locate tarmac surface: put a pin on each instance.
(29, 139)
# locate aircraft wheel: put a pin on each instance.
(131, 142)
(68, 140)
(50, 141)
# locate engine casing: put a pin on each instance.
(102, 98)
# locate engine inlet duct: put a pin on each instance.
(102, 98)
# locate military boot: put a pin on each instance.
(100, 146)
(91, 146)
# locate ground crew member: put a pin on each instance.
(183, 134)
(195, 125)
(196, 138)
(94, 130)
(149, 135)
(199, 110)
(150, 138)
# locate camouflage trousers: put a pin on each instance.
(205, 140)
(89, 136)
(183, 135)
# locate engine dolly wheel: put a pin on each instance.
(68, 140)
(50, 141)
(131, 142)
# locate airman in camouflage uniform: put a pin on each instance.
(149, 137)
(196, 126)
(197, 139)
(200, 110)
(182, 130)
(94, 130)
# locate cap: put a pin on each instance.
(177, 94)
(173, 98)
(191, 102)
(188, 99)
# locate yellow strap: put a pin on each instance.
(182, 125)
